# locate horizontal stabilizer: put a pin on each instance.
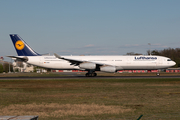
(25, 59)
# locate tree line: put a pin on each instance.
(4, 67)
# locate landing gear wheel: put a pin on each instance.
(91, 74)
(94, 74)
(87, 74)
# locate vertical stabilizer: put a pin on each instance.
(22, 48)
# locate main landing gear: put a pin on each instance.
(91, 74)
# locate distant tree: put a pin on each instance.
(48, 70)
(153, 52)
(35, 67)
(132, 53)
(1, 68)
(16, 70)
(6, 67)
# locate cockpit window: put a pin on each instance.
(169, 60)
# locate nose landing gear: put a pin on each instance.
(158, 74)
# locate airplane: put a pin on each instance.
(91, 64)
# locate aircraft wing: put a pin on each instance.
(77, 62)
(72, 61)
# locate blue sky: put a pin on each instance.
(90, 27)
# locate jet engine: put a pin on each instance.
(108, 69)
(87, 65)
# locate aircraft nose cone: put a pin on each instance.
(173, 63)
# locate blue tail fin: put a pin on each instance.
(22, 48)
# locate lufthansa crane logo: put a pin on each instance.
(19, 45)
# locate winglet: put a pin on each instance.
(56, 55)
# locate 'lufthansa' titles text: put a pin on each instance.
(145, 58)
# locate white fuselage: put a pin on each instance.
(119, 62)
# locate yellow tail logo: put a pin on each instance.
(19, 45)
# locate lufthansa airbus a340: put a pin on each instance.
(88, 63)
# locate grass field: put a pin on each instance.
(97, 99)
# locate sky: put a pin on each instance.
(90, 27)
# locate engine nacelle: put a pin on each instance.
(90, 66)
(108, 69)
